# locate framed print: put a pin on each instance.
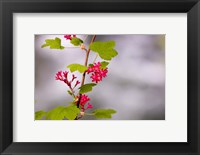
(99, 77)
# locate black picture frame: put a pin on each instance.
(8, 7)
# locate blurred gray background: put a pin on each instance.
(134, 86)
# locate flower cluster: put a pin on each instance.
(97, 72)
(63, 76)
(69, 37)
(83, 101)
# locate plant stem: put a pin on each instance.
(89, 114)
(86, 62)
(96, 57)
(83, 76)
(72, 91)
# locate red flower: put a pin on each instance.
(83, 101)
(63, 76)
(77, 82)
(69, 37)
(97, 72)
(96, 77)
(89, 106)
(90, 69)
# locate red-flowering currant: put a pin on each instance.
(83, 101)
(69, 37)
(97, 72)
(63, 76)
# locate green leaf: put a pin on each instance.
(104, 113)
(70, 93)
(104, 49)
(39, 115)
(57, 113)
(90, 65)
(72, 103)
(77, 67)
(104, 64)
(76, 41)
(71, 112)
(86, 88)
(53, 43)
(60, 112)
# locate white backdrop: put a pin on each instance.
(172, 129)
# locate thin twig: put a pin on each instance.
(92, 114)
(85, 38)
(96, 57)
(86, 62)
(72, 91)
(85, 49)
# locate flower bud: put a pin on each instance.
(82, 113)
(82, 46)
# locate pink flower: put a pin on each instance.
(77, 82)
(63, 76)
(96, 77)
(73, 77)
(84, 99)
(69, 37)
(89, 106)
(97, 72)
(104, 72)
(90, 69)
